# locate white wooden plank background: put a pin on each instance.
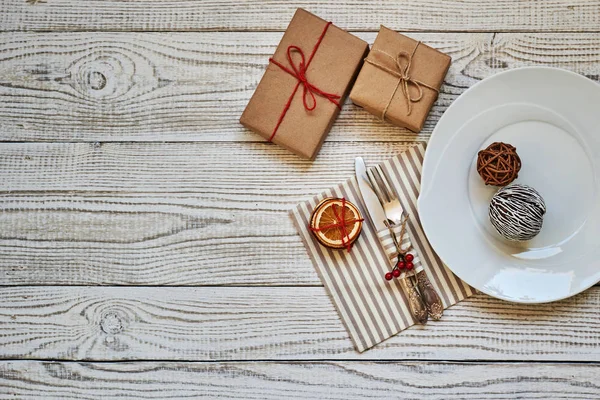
(297, 380)
(276, 323)
(261, 15)
(145, 250)
(194, 86)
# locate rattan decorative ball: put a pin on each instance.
(498, 164)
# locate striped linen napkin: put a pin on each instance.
(371, 308)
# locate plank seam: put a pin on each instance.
(312, 361)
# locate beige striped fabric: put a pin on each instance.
(371, 308)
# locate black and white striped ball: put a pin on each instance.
(517, 212)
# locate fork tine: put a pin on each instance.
(375, 186)
(391, 194)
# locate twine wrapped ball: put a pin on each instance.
(499, 164)
(517, 212)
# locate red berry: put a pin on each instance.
(409, 265)
(388, 276)
(396, 273)
(401, 264)
(409, 257)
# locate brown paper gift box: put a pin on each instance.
(374, 87)
(332, 70)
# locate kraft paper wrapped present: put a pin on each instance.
(400, 79)
(305, 84)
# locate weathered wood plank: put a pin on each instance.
(162, 214)
(247, 169)
(152, 213)
(223, 15)
(296, 380)
(260, 323)
(194, 86)
(149, 239)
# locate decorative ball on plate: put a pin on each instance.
(517, 212)
(336, 223)
(498, 164)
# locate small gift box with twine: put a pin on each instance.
(305, 84)
(400, 79)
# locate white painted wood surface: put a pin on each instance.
(194, 86)
(276, 323)
(297, 380)
(261, 15)
(145, 249)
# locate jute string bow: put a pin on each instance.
(398, 240)
(402, 64)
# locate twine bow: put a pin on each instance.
(340, 223)
(299, 72)
(402, 64)
(398, 240)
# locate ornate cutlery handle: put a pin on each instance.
(417, 307)
(432, 300)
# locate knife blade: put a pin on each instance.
(369, 198)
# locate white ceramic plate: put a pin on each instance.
(552, 117)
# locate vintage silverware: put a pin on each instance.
(432, 300)
(395, 213)
(380, 221)
(415, 300)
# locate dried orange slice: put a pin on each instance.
(336, 223)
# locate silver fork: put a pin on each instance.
(395, 214)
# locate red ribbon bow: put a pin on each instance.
(341, 224)
(299, 72)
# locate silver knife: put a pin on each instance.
(377, 217)
(369, 198)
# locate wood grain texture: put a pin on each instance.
(246, 169)
(161, 213)
(271, 323)
(149, 239)
(224, 15)
(296, 380)
(214, 212)
(108, 86)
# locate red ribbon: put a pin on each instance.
(340, 223)
(299, 72)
